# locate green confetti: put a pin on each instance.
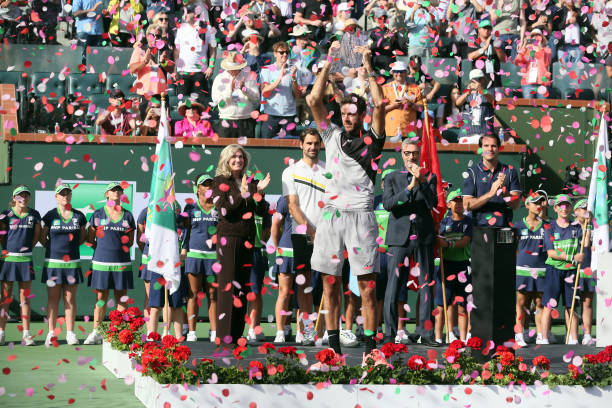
(212, 230)
(337, 213)
(397, 390)
(368, 332)
(446, 397)
(210, 278)
(157, 286)
(209, 168)
(100, 303)
(327, 215)
(328, 175)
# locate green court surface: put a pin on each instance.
(63, 376)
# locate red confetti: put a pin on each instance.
(71, 401)
(309, 395)
(6, 371)
(225, 392)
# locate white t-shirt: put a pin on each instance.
(572, 34)
(193, 52)
(308, 184)
(352, 166)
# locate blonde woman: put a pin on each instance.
(111, 234)
(20, 227)
(237, 198)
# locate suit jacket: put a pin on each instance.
(402, 203)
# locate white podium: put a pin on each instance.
(604, 299)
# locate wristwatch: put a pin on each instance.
(372, 75)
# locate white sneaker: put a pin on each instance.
(348, 338)
(309, 336)
(402, 337)
(28, 341)
(251, 336)
(280, 337)
(451, 336)
(48, 340)
(325, 339)
(587, 340)
(542, 341)
(538, 337)
(520, 340)
(93, 338)
(572, 341)
(192, 336)
(2, 338)
(213, 335)
(71, 339)
(299, 337)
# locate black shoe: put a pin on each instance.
(414, 337)
(429, 342)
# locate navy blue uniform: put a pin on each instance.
(284, 256)
(111, 264)
(17, 266)
(144, 273)
(456, 263)
(201, 252)
(62, 255)
(478, 183)
(531, 257)
(260, 258)
(566, 241)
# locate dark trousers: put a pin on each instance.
(237, 128)
(423, 256)
(193, 84)
(88, 40)
(233, 257)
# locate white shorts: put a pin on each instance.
(354, 230)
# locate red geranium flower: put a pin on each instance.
(181, 353)
(501, 348)
(451, 355)
(541, 362)
(238, 352)
(137, 323)
(416, 362)
(456, 344)
(602, 357)
(506, 358)
(266, 347)
(608, 350)
(574, 370)
(475, 343)
(126, 336)
(169, 341)
(288, 351)
(256, 364)
(207, 361)
(155, 336)
(116, 317)
(133, 311)
(328, 356)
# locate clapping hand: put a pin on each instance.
(244, 185)
(262, 184)
(498, 184)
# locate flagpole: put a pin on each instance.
(442, 277)
(569, 324)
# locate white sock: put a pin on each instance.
(191, 332)
(26, 333)
(1, 331)
(213, 333)
(251, 331)
(69, 332)
(438, 340)
(280, 331)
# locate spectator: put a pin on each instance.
(235, 91)
(117, 119)
(429, 87)
(478, 111)
(194, 55)
(316, 14)
(284, 20)
(235, 196)
(156, 6)
(448, 116)
(601, 22)
(162, 20)
(539, 14)
(486, 54)
(250, 24)
(343, 13)
(507, 19)
(535, 61)
(264, 10)
(279, 92)
(150, 124)
(303, 54)
(150, 65)
(88, 15)
(386, 41)
(575, 31)
(124, 25)
(418, 20)
(345, 51)
(460, 16)
(13, 14)
(404, 103)
(193, 124)
(252, 50)
(44, 29)
(376, 9)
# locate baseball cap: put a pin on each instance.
(62, 187)
(117, 93)
(21, 189)
(581, 204)
(399, 66)
(344, 7)
(536, 196)
(476, 74)
(113, 184)
(562, 198)
(453, 194)
(203, 178)
(484, 23)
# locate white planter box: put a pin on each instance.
(154, 395)
(117, 362)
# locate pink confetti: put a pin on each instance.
(29, 391)
(194, 156)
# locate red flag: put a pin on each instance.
(429, 160)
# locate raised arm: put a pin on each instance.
(315, 98)
(378, 116)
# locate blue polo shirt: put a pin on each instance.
(478, 182)
(86, 24)
(281, 101)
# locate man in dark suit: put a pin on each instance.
(409, 196)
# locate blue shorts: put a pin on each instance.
(62, 276)
(199, 266)
(258, 270)
(529, 284)
(556, 286)
(453, 287)
(105, 280)
(143, 272)
(285, 265)
(587, 284)
(157, 296)
(16, 272)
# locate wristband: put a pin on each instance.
(451, 244)
(569, 258)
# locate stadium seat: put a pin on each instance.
(48, 84)
(21, 85)
(112, 60)
(510, 77)
(443, 70)
(581, 81)
(85, 84)
(173, 102)
(125, 82)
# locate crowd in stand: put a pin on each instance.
(272, 49)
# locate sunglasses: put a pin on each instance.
(162, 19)
(282, 52)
